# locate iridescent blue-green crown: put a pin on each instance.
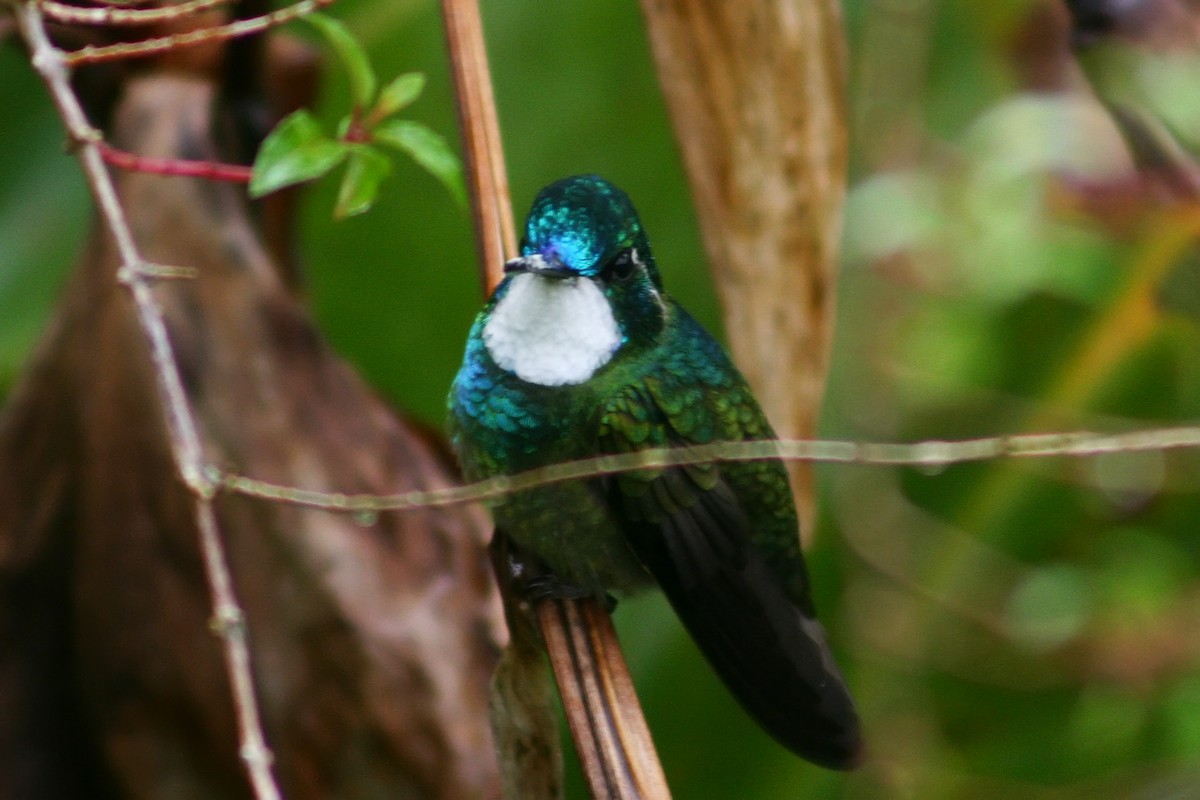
(583, 221)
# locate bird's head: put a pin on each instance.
(585, 274)
(585, 228)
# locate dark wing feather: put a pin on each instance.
(772, 656)
(692, 532)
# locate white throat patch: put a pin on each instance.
(551, 331)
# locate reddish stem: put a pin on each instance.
(357, 131)
(212, 170)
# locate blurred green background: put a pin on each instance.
(1011, 630)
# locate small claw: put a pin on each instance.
(550, 587)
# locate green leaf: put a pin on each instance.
(401, 91)
(352, 54)
(296, 150)
(426, 148)
(364, 174)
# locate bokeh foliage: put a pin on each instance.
(1011, 630)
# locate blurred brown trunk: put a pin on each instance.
(755, 91)
(373, 639)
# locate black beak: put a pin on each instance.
(540, 265)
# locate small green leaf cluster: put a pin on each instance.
(298, 150)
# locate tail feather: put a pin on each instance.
(771, 655)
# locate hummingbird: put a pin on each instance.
(579, 352)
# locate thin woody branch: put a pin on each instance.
(124, 3)
(110, 15)
(928, 454)
(92, 54)
(228, 618)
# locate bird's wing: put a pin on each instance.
(692, 527)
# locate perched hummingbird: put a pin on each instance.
(579, 352)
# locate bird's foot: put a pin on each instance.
(525, 576)
(551, 587)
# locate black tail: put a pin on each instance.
(771, 655)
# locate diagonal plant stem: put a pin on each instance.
(614, 744)
(482, 148)
(228, 620)
(619, 758)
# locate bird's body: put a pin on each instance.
(579, 352)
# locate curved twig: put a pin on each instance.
(92, 54)
(928, 455)
(118, 15)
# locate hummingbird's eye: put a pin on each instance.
(622, 267)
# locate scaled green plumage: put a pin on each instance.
(721, 540)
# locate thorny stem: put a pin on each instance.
(92, 54)
(135, 274)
